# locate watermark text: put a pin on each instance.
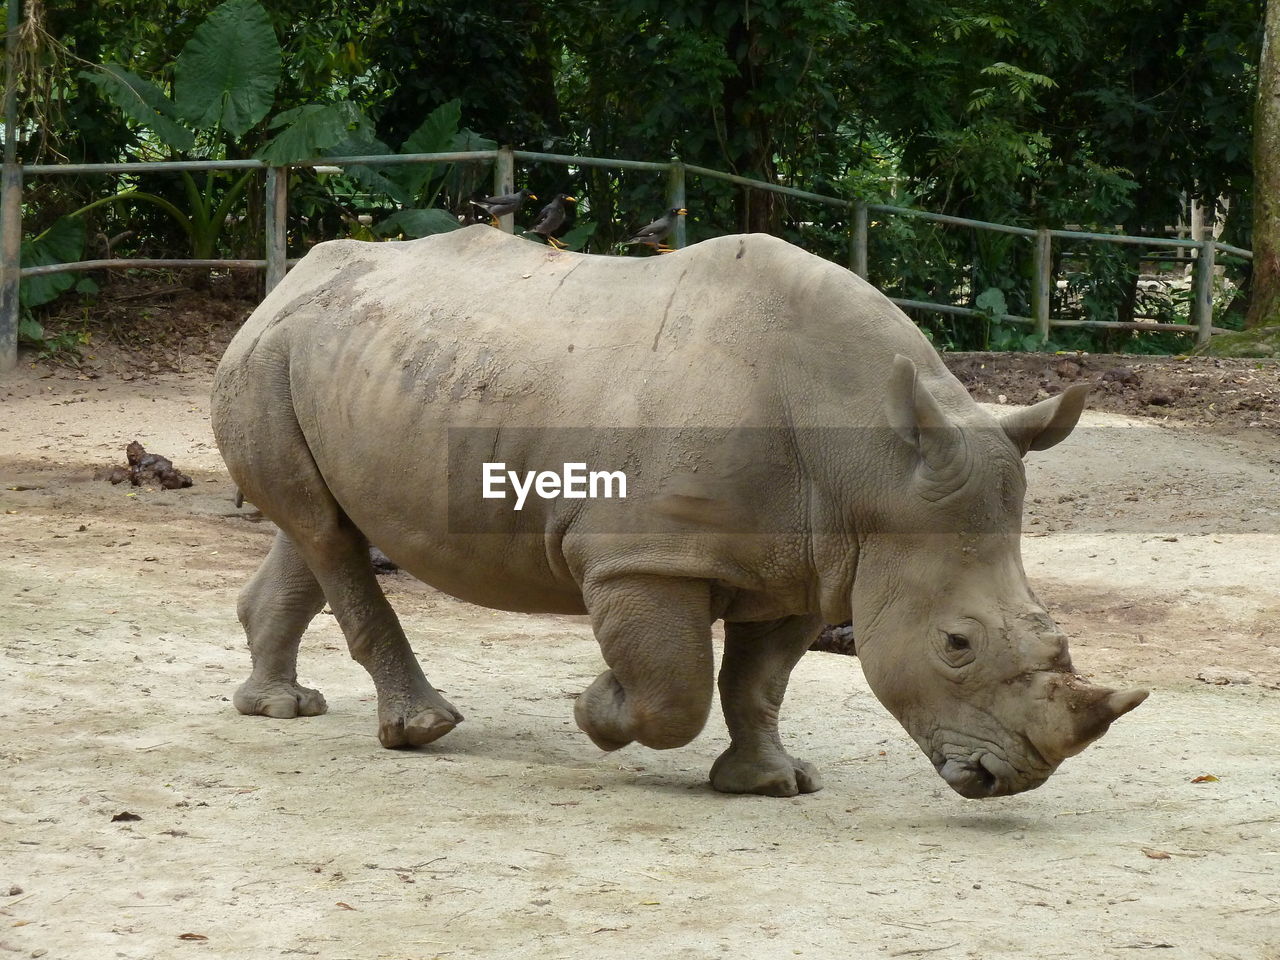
(573, 482)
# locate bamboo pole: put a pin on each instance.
(1123, 238)
(1042, 283)
(605, 162)
(676, 200)
(142, 263)
(953, 221)
(765, 185)
(10, 203)
(504, 181)
(958, 311)
(10, 263)
(277, 212)
(173, 166)
(1202, 309)
(858, 247)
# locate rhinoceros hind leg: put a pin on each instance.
(321, 555)
(275, 607)
(655, 634)
(411, 712)
(405, 728)
(758, 659)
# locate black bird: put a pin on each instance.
(655, 233)
(551, 219)
(503, 204)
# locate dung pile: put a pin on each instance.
(146, 469)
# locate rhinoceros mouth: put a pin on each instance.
(982, 775)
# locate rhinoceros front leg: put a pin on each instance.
(275, 607)
(758, 659)
(655, 634)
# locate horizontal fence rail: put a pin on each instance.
(954, 221)
(276, 261)
(135, 263)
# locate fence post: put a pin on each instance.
(675, 200)
(10, 264)
(504, 181)
(1206, 255)
(277, 210)
(858, 242)
(10, 204)
(1042, 282)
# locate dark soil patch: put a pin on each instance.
(1226, 393)
(152, 322)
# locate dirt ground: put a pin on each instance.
(1154, 539)
(1214, 392)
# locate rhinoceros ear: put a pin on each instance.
(916, 416)
(1041, 425)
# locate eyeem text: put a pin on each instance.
(573, 482)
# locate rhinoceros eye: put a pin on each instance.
(959, 646)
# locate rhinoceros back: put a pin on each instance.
(495, 328)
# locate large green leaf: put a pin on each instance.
(418, 223)
(311, 130)
(465, 178)
(143, 101)
(469, 140)
(30, 331)
(63, 242)
(577, 238)
(991, 303)
(228, 72)
(435, 135)
(370, 178)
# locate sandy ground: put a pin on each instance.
(1157, 547)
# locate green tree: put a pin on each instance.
(496, 57)
(1097, 112)
(225, 83)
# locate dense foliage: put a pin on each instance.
(1093, 113)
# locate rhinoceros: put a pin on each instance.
(797, 452)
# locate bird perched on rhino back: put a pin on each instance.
(655, 234)
(551, 219)
(503, 204)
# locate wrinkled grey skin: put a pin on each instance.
(883, 493)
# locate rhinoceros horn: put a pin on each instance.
(1093, 710)
(1101, 707)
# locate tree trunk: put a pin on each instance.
(1264, 304)
(750, 145)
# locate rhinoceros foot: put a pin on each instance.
(778, 775)
(613, 718)
(417, 724)
(282, 699)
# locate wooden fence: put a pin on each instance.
(275, 254)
